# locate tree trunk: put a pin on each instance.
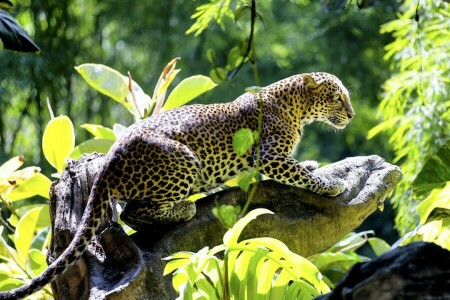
(117, 266)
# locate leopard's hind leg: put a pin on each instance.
(154, 175)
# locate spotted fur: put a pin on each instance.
(159, 161)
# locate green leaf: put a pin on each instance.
(241, 11)
(119, 129)
(227, 214)
(379, 246)
(58, 141)
(234, 58)
(105, 80)
(188, 89)
(254, 89)
(246, 178)
(211, 55)
(38, 184)
(25, 231)
(8, 167)
(326, 259)
(439, 198)
(435, 173)
(232, 235)
(242, 141)
(90, 146)
(351, 241)
(100, 131)
(9, 284)
(37, 261)
(218, 75)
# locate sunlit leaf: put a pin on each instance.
(351, 241)
(118, 129)
(16, 178)
(37, 261)
(25, 231)
(58, 141)
(105, 80)
(90, 146)
(10, 166)
(187, 90)
(227, 214)
(435, 173)
(438, 198)
(243, 141)
(38, 184)
(232, 235)
(100, 131)
(379, 246)
(246, 178)
(9, 284)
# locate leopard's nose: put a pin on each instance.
(350, 115)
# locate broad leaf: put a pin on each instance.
(379, 246)
(439, 198)
(58, 141)
(90, 146)
(100, 131)
(37, 261)
(232, 235)
(435, 173)
(105, 80)
(10, 166)
(118, 129)
(38, 184)
(25, 231)
(243, 140)
(187, 90)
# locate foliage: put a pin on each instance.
(416, 97)
(260, 268)
(30, 221)
(337, 260)
(25, 259)
(263, 268)
(434, 211)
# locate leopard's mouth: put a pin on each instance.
(337, 122)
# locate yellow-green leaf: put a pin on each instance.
(38, 184)
(188, 89)
(90, 146)
(11, 165)
(25, 231)
(100, 131)
(105, 80)
(243, 140)
(58, 141)
(232, 235)
(37, 261)
(438, 198)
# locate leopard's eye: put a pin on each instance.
(336, 97)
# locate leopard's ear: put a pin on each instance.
(309, 83)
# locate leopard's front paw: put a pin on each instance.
(335, 187)
(310, 165)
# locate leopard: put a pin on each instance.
(160, 161)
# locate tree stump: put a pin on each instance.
(117, 266)
(417, 271)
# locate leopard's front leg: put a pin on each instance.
(287, 170)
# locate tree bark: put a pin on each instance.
(417, 271)
(117, 266)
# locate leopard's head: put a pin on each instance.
(328, 99)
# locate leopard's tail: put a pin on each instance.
(92, 216)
